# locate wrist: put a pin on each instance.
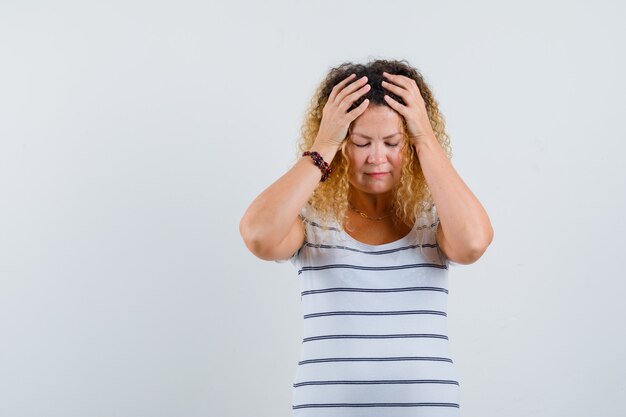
(327, 150)
(423, 141)
(318, 160)
(324, 144)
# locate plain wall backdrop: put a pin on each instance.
(134, 135)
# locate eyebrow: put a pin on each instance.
(367, 137)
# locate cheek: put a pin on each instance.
(396, 154)
(359, 155)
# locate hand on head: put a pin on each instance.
(335, 118)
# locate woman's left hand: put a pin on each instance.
(414, 112)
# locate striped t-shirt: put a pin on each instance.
(375, 337)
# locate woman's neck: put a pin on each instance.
(374, 205)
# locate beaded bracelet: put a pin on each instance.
(321, 164)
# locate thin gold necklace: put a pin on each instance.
(365, 215)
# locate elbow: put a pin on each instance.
(259, 249)
(247, 235)
(255, 243)
(469, 256)
(473, 256)
(469, 251)
(244, 230)
(479, 248)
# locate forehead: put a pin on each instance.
(377, 120)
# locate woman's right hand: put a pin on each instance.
(335, 118)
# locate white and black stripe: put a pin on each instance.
(375, 336)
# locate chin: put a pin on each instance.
(371, 185)
(377, 188)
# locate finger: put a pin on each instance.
(347, 101)
(339, 86)
(360, 83)
(399, 91)
(358, 110)
(399, 79)
(395, 105)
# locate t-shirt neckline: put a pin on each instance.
(381, 246)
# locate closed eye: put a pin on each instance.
(388, 144)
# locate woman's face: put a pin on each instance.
(375, 146)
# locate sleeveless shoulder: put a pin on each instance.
(317, 232)
(308, 216)
(433, 217)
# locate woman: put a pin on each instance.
(372, 214)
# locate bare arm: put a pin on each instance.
(270, 217)
(269, 227)
(464, 232)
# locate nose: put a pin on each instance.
(377, 153)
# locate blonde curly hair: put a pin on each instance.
(412, 198)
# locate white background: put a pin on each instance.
(134, 135)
